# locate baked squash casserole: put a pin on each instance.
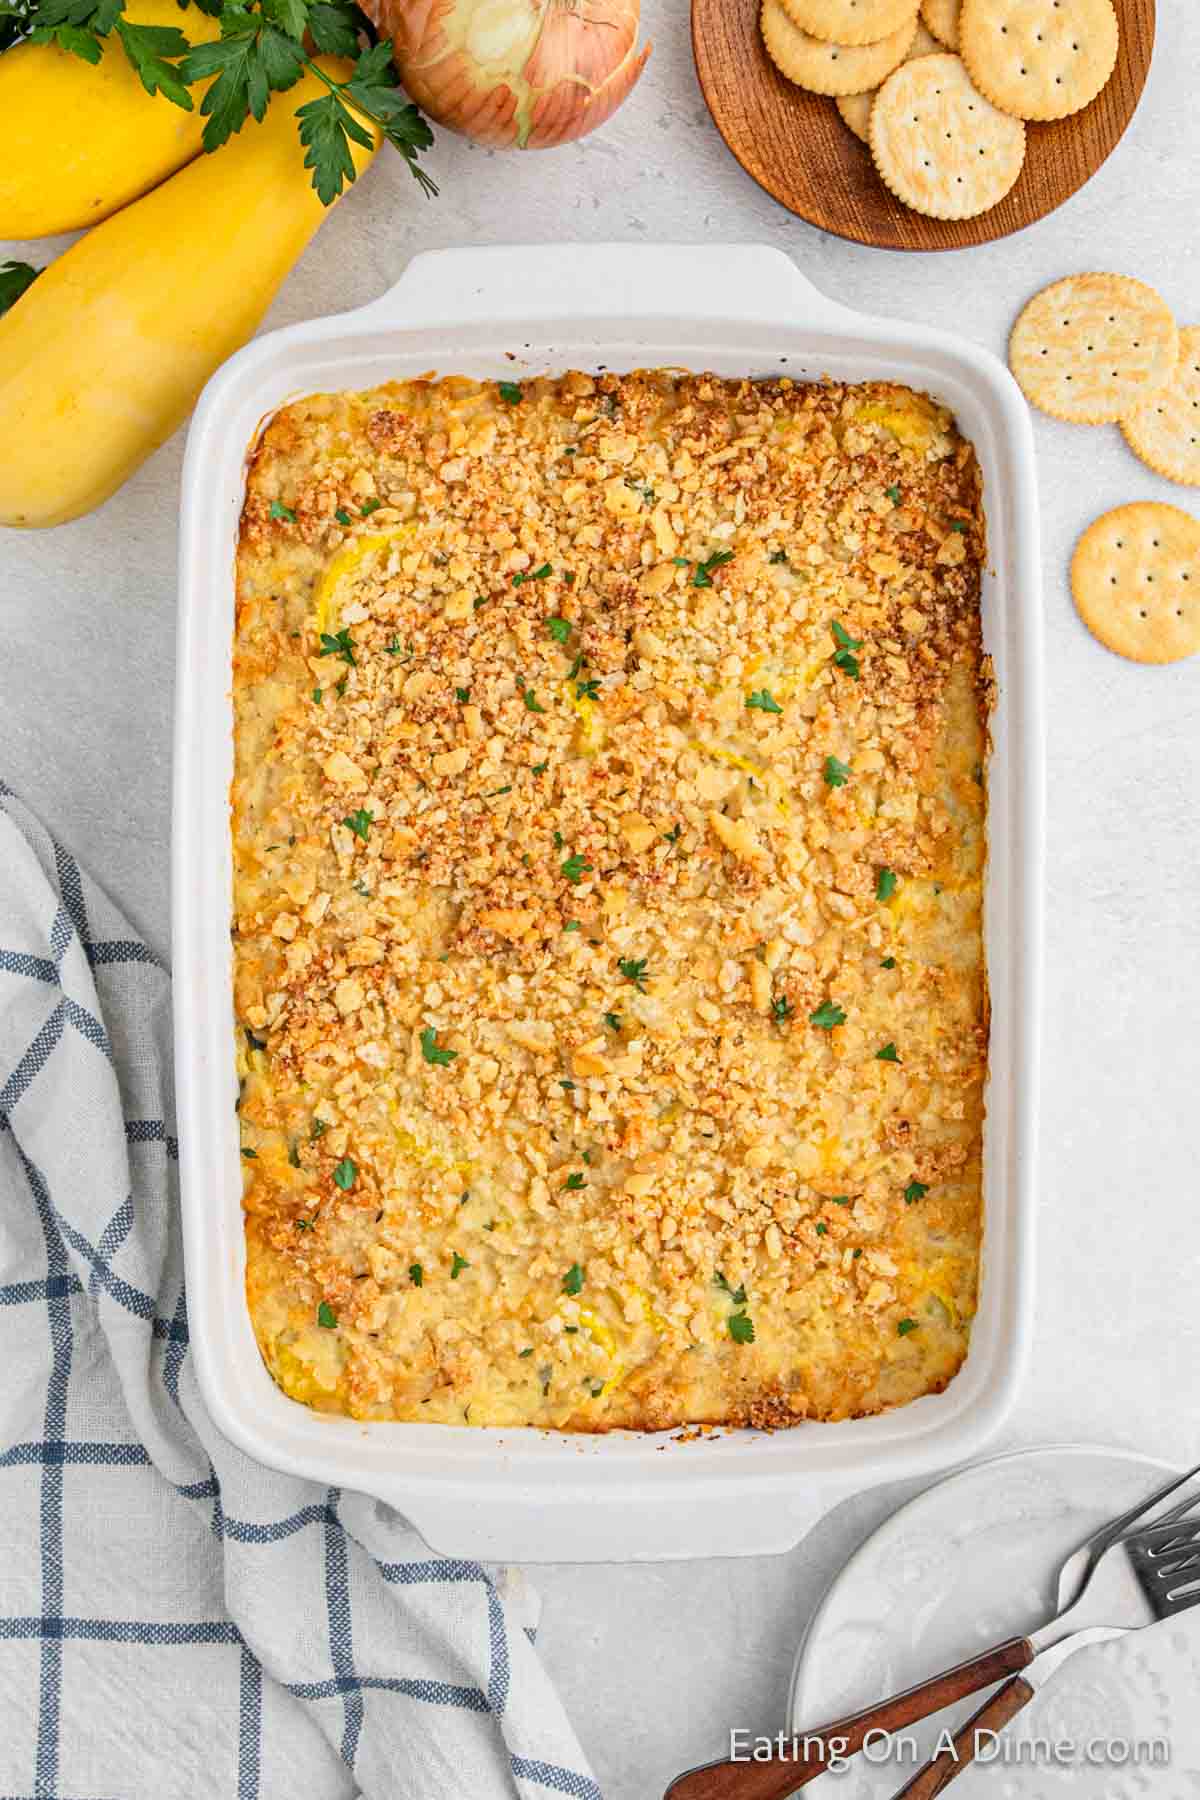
(609, 827)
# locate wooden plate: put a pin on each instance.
(795, 145)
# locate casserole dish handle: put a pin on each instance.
(508, 1527)
(736, 283)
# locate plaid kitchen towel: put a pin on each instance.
(176, 1621)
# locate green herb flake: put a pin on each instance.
(573, 1279)
(326, 1317)
(822, 1229)
(346, 1174)
(576, 867)
(574, 1182)
(958, 525)
(559, 628)
(839, 1200)
(885, 884)
(462, 695)
(318, 1128)
(359, 823)
(457, 1265)
(572, 925)
(337, 643)
(613, 1021)
(278, 510)
(737, 1295)
(342, 516)
(827, 1015)
(318, 695)
(888, 962)
(778, 556)
(304, 1224)
(916, 1190)
(741, 1328)
(905, 1326)
(416, 1274)
(368, 507)
(528, 1351)
(762, 700)
(893, 494)
(524, 575)
(539, 768)
(511, 391)
(634, 969)
(889, 1053)
(430, 1050)
(587, 690)
(836, 772)
(781, 1008)
(496, 792)
(293, 1154)
(531, 701)
(252, 1155)
(703, 573)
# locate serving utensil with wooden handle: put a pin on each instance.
(1150, 1575)
(1096, 1577)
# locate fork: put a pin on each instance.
(775, 1780)
(1150, 1574)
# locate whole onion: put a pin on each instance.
(529, 73)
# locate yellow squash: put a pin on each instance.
(79, 140)
(105, 354)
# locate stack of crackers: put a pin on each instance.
(1095, 349)
(940, 91)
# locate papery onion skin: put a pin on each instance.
(515, 73)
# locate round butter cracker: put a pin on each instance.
(851, 21)
(1092, 348)
(1039, 59)
(825, 68)
(856, 108)
(1135, 576)
(939, 145)
(1165, 433)
(941, 16)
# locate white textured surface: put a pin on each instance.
(657, 1662)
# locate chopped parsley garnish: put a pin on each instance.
(889, 1053)
(416, 1274)
(524, 575)
(778, 556)
(702, 574)
(889, 962)
(573, 1280)
(737, 1295)
(576, 866)
(559, 629)
(252, 1154)
(559, 840)
(318, 695)
(346, 1174)
(958, 524)
(318, 1128)
(293, 1154)
(741, 1328)
(634, 969)
(885, 884)
(539, 768)
(457, 1265)
(337, 643)
(587, 690)
(822, 1229)
(836, 772)
(531, 701)
(528, 1351)
(839, 1200)
(843, 657)
(342, 516)
(612, 1020)
(511, 391)
(368, 507)
(395, 647)
(594, 1386)
(326, 1316)
(763, 700)
(575, 667)
(255, 1043)
(430, 1050)
(572, 925)
(893, 494)
(497, 791)
(359, 822)
(673, 836)
(574, 1181)
(278, 510)
(304, 1224)
(905, 1326)
(781, 1008)
(462, 694)
(827, 1015)
(916, 1190)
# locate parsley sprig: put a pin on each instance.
(262, 51)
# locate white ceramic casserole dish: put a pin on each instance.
(523, 1494)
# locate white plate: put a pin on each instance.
(975, 1560)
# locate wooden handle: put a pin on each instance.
(993, 1715)
(776, 1779)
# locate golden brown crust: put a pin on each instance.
(544, 860)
